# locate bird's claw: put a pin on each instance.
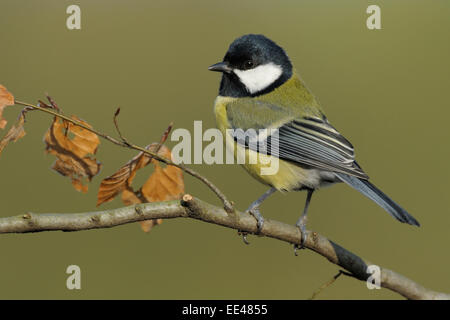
(244, 236)
(259, 224)
(300, 246)
(259, 219)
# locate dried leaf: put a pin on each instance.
(129, 197)
(147, 225)
(165, 183)
(6, 99)
(78, 185)
(74, 155)
(111, 186)
(15, 133)
(162, 185)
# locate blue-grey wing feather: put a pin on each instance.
(311, 142)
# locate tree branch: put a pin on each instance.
(194, 208)
(228, 205)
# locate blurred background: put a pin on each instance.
(385, 90)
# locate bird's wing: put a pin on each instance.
(309, 141)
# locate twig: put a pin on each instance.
(190, 207)
(228, 205)
(116, 124)
(329, 283)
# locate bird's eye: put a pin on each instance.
(248, 64)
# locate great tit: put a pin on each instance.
(260, 89)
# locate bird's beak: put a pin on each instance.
(220, 67)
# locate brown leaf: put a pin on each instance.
(130, 197)
(111, 186)
(165, 183)
(162, 185)
(15, 133)
(74, 155)
(6, 99)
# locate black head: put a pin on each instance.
(253, 65)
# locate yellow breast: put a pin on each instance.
(280, 174)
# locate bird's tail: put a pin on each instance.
(376, 195)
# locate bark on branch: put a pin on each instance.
(195, 208)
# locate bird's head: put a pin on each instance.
(253, 65)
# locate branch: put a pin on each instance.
(194, 208)
(228, 205)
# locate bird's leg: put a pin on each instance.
(301, 223)
(254, 208)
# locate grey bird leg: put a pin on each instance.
(301, 223)
(254, 208)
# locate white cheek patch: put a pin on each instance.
(259, 78)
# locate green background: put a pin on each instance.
(385, 90)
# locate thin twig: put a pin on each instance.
(52, 102)
(163, 139)
(326, 285)
(116, 124)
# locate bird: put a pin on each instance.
(262, 101)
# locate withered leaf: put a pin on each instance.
(74, 155)
(111, 186)
(6, 99)
(163, 184)
(15, 133)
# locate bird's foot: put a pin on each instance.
(301, 224)
(259, 218)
